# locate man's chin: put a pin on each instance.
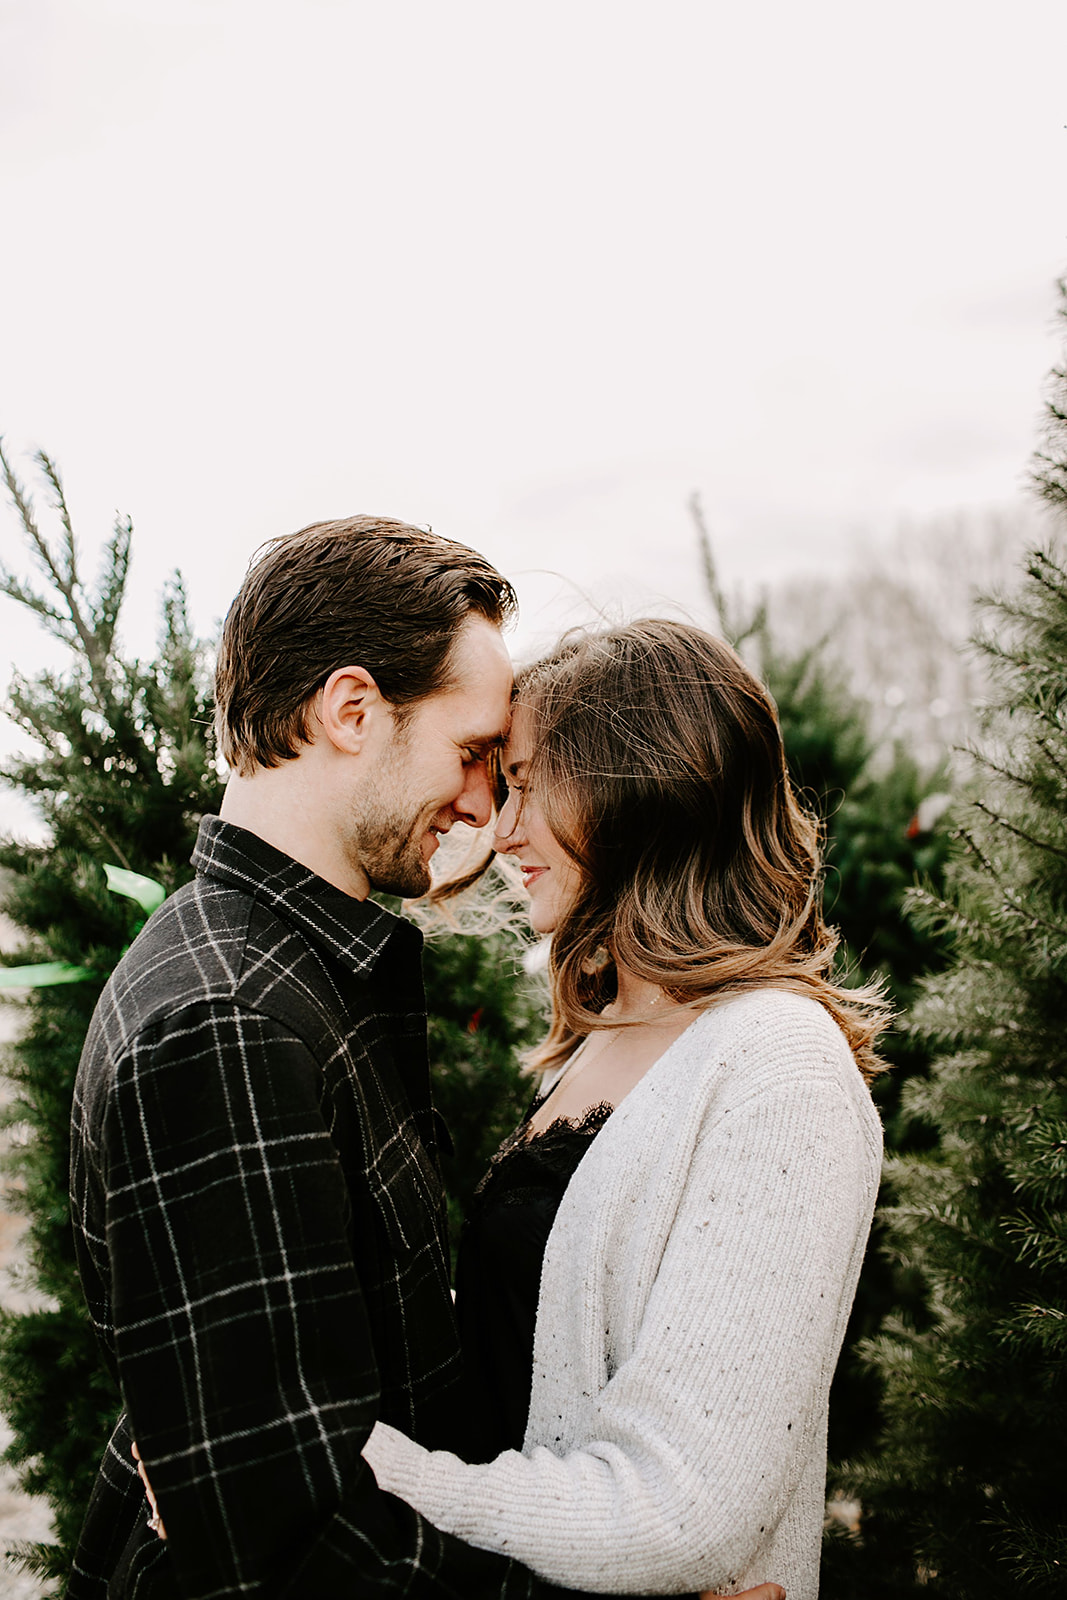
(408, 881)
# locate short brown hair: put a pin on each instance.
(362, 591)
(657, 763)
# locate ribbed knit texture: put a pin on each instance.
(694, 1297)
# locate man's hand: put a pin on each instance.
(155, 1521)
(763, 1591)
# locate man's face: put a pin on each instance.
(433, 772)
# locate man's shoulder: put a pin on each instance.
(210, 946)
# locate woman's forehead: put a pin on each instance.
(517, 740)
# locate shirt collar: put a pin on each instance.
(354, 932)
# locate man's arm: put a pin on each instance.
(241, 1333)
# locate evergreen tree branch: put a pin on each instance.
(1011, 900)
(997, 650)
(987, 762)
(55, 622)
(1054, 761)
(59, 503)
(65, 583)
(114, 850)
(112, 586)
(1020, 833)
(38, 543)
(1041, 566)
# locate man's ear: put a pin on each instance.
(350, 709)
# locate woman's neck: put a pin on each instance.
(636, 997)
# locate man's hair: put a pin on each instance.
(363, 591)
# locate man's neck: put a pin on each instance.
(283, 807)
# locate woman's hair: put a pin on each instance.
(657, 763)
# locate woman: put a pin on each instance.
(670, 1244)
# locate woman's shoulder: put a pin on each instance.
(771, 1011)
(765, 1035)
(777, 1058)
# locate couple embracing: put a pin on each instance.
(630, 1393)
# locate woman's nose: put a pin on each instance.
(505, 834)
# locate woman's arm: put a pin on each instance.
(701, 1437)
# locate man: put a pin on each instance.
(257, 1200)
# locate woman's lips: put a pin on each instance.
(531, 874)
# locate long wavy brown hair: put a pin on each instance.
(657, 762)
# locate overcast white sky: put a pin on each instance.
(531, 274)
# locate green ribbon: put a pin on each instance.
(148, 894)
(145, 892)
(43, 974)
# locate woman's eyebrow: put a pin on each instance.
(512, 767)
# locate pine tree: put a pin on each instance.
(964, 1493)
(121, 773)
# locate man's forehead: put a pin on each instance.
(483, 726)
(480, 653)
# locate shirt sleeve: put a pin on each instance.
(700, 1438)
(241, 1335)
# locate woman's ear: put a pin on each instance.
(350, 709)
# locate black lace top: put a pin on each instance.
(498, 1271)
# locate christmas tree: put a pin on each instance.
(120, 772)
(964, 1493)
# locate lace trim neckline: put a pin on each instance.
(589, 1123)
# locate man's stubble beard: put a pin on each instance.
(384, 837)
(391, 858)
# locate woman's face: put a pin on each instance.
(552, 880)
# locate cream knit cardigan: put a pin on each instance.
(694, 1295)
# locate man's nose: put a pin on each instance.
(475, 803)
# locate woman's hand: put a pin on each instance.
(155, 1521)
(763, 1591)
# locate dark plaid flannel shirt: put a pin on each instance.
(259, 1223)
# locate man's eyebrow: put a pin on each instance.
(484, 742)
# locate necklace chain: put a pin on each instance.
(580, 1059)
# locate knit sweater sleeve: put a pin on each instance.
(701, 1436)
